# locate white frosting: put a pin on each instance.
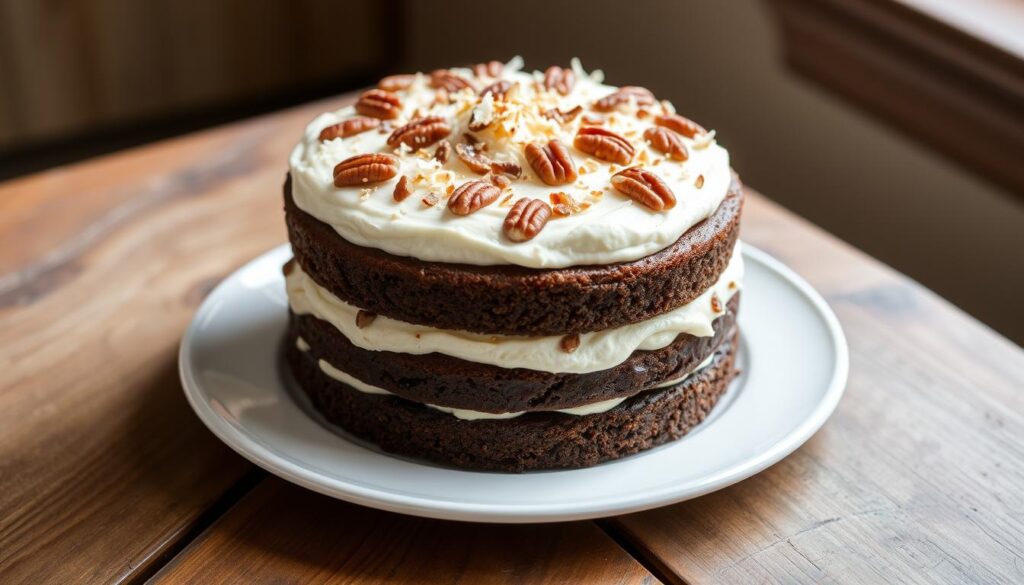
(598, 350)
(301, 344)
(611, 229)
(465, 414)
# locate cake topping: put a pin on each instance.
(377, 103)
(570, 343)
(699, 182)
(365, 168)
(526, 219)
(523, 133)
(645, 187)
(472, 196)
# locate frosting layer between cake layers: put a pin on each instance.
(598, 350)
(610, 228)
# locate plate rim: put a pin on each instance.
(257, 453)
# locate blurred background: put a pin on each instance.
(897, 126)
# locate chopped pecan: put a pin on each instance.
(716, 303)
(563, 204)
(472, 196)
(699, 183)
(430, 200)
(684, 126)
(642, 97)
(562, 117)
(444, 79)
(349, 127)
(365, 168)
(559, 79)
(421, 132)
(402, 189)
(552, 162)
(500, 181)
(526, 218)
(443, 152)
(590, 119)
(490, 68)
(499, 89)
(644, 187)
(604, 144)
(378, 103)
(570, 343)
(288, 267)
(666, 141)
(396, 82)
(507, 167)
(471, 156)
(364, 318)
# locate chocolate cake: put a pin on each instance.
(509, 270)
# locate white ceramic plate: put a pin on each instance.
(793, 357)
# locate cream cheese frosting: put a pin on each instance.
(598, 350)
(465, 414)
(610, 227)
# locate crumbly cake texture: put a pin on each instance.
(456, 383)
(514, 300)
(532, 441)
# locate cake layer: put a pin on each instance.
(531, 441)
(492, 125)
(443, 380)
(513, 300)
(589, 352)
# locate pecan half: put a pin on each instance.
(559, 79)
(472, 196)
(365, 168)
(490, 68)
(526, 218)
(473, 158)
(378, 103)
(396, 82)
(644, 187)
(666, 141)
(604, 144)
(552, 162)
(421, 132)
(402, 189)
(684, 126)
(499, 89)
(443, 152)
(364, 318)
(349, 127)
(444, 79)
(562, 117)
(642, 96)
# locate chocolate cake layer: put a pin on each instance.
(514, 300)
(447, 381)
(531, 441)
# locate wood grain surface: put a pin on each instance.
(107, 476)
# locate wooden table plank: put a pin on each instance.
(918, 477)
(104, 468)
(281, 533)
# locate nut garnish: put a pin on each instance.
(500, 181)
(364, 318)
(559, 79)
(402, 189)
(349, 127)
(473, 158)
(563, 204)
(499, 89)
(716, 303)
(472, 196)
(666, 141)
(288, 267)
(490, 68)
(644, 187)
(590, 119)
(562, 117)
(444, 79)
(684, 126)
(604, 144)
(443, 152)
(641, 96)
(699, 182)
(570, 343)
(396, 82)
(430, 200)
(552, 162)
(378, 103)
(526, 219)
(365, 168)
(421, 132)
(507, 167)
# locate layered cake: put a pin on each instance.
(511, 270)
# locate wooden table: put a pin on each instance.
(106, 475)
